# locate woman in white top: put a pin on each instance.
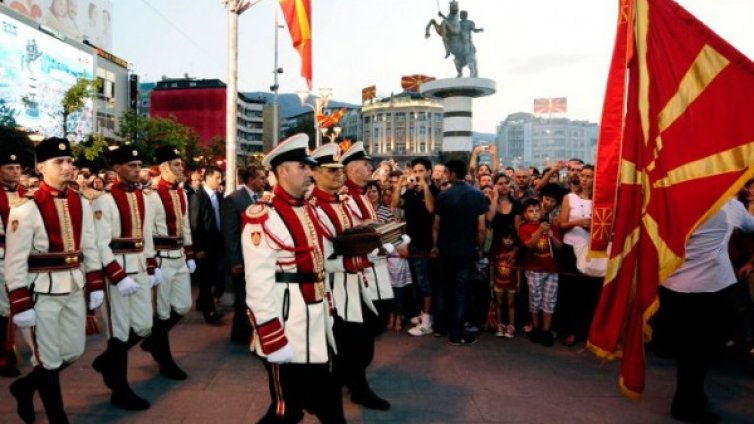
(578, 293)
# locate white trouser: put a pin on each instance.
(59, 334)
(4, 303)
(175, 290)
(122, 313)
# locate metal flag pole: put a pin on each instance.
(275, 87)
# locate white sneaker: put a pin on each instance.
(420, 330)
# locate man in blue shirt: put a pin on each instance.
(458, 236)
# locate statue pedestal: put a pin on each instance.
(456, 95)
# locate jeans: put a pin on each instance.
(451, 302)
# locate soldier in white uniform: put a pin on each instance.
(286, 294)
(12, 152)
(350, 288)
(124, 222)
(51, 262)
(175, 258)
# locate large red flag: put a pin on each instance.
(686, 148)
(298, 15)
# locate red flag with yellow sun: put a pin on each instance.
(684, 148)
(298, 15)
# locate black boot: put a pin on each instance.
(123, 396)
(8, 364)
(48, 384)
(23, 390)
(363, 395)
(158, 345)
(103, 364)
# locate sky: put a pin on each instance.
(531, 48)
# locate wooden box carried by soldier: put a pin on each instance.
(363, 239)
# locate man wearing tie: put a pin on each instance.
(253, 179)
(204, 215)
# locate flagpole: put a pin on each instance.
(275, 99)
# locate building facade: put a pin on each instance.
(527, 140)
(201, 105)
(402, 127)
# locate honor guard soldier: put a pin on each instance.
(12, 146)
(51, 261)
(175, 258)
(282, 243)
(124, 222)
(358, 170)
(353, 303)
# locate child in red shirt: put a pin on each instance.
(541, 270)
(505, 282)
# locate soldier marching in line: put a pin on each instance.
(124, 221)
(11, 147)
(52, 266)
(284, 249)
(175, 258)
(353, 303)
(376, 281)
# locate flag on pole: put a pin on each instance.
(368, 93)
(687, 135)
(327, 121)
(298, 15)
(550, 105)
(414, 82)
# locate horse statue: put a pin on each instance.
(456, 36)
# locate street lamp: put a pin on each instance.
(333, 135)
(320, 103)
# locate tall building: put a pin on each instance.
(526, 140)
(113, 95)
(201, 105)
(402, 127)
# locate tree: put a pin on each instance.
(75, 99)
(7, 115)
(91, 152)
(304, 125)
(150, 133)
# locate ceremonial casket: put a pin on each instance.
(363, 239)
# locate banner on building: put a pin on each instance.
(76, 19)
(550, 105)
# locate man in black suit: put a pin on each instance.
(204, 215)
(253, 179)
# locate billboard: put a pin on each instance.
(36, 70)
(77, 19)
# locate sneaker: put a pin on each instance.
(527, 328)
(420, 330)
(535, 335)
(500, 331)
(547, 338)
(510, 331)
(464, 341)
(472, 328)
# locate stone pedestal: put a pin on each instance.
(456, 95)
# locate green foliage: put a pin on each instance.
(75, 98)
(150, 133)
(91, 152)
(7, 115)
(303, 125)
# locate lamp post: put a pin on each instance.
(320, 103)
(235, 8)
(332, 134)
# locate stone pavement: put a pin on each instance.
(426, 379)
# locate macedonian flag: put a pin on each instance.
(298, 15)
(686, 148)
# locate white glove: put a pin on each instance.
(282, 355)
(156, 278)
(389, 248)
(127, 286)
(191, 265)
(405, 239)
(25, 319)
(95, 299)
(372, 256)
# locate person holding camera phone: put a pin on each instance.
(418, 203)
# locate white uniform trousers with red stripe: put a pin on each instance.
(60, 332)
(175, 290)
(123, 313)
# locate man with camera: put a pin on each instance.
(416, 196)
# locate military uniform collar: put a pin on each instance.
(53, 191)
(165, 184)
(328, 197)
(353, 187)
(287, 198)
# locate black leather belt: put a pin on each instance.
(296, 277)
(55, 261)
(127, 245)
(168, 243)
(2, 240)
